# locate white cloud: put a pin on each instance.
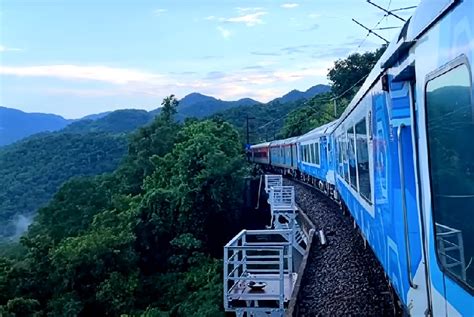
(289, 5)
(250, 19)
(159, 11)
(248, 16)
(9, 49)
(264, 83)
(224, 32)
(314, 15)
(97, 73)
(240, 9)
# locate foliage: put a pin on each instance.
(142, 240)
(266, 120)
(32, 170)
(348, 74)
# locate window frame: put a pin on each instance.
(365, 118)
(443, 70)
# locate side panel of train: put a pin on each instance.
(313, 157)
(283, 155)
(260, 153)
(369, 176)
(445, 127)
(409, 196)
(404, 160)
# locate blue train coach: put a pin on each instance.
(401, 160)
(315, 158)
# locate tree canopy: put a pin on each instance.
(143, 240)
(347, 76)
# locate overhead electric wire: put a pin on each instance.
(320, 100)
(387, 13)
(403, 9)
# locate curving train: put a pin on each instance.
(400, 159)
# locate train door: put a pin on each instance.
(405, 246)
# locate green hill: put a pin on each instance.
(32, 170)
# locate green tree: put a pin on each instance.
(348, 74)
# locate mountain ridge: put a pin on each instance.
(16, 124)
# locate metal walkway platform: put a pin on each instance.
(261, 267)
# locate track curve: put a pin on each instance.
(343, 277)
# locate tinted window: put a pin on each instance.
(451, 153)
(345, 158)
(316, 153)
(339, 155)
(363, 159)
(352, 157)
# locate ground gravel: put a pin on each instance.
(342, 278)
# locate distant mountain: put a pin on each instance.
(96, 116)
(295, 95)
(119, 121)
(201, 106)
(16, 124)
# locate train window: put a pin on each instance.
(316, 154)
(450, 126)
(339, 155)
(345, 158)
(362, 147)
(352, 158)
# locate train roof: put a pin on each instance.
(426, 14)
(260, 145)
(284, 141)
(319, 131)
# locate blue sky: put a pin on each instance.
(75, 58)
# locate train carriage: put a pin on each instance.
(404, 163)
(260, 153)
(283, 155)
(428, 261)
(315, 157)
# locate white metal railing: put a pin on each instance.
(282, 198)
(258, 256)
(451, 249)
(272, 180)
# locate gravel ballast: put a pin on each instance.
(342, 277)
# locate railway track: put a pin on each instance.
(343, 277)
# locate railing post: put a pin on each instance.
(244, 254)
(461, 254)
(282, 279)
(226, 281)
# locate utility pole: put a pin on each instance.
(247, 146)
(335, 108)
(248, 129)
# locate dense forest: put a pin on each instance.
(32, 170)
(105, 246)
